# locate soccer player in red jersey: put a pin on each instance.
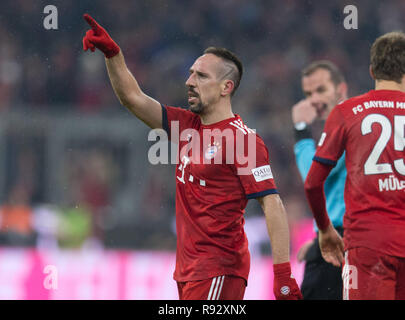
(371, 129)
(216, 175)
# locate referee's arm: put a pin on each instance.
(304, 150)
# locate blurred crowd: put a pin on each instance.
(45, 71)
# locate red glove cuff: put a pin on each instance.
(280, 269)
(285, 286)
(113, 51)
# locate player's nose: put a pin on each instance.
(315, 100)
(190, 82)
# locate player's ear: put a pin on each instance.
(371, 72)
(227, 87)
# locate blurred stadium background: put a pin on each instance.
(76, 188)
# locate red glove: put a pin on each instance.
(285, 286)
(98, 38)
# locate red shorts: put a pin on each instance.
(370, 275)
(217, 288)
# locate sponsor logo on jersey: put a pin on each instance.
(262, 173)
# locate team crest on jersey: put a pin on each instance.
(212, 150)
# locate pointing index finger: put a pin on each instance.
(93, 24)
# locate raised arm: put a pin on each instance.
(285, 286)
(123, 82)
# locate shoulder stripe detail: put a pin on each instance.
(237, 127)
(241, 126)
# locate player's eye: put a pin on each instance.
(201, 75)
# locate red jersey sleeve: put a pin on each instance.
(332, 142)
(314, 189)
(175, 119)
(253, 169)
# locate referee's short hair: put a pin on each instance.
(336, 75)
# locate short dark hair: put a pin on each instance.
(387, 57)
(229, 56)
(336, 75)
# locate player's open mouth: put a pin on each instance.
(192, 96)
(321, 111)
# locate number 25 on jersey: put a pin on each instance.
(371, 166)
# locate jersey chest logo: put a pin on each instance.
(212, 150)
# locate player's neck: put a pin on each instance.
(217, 113)
(389, 85)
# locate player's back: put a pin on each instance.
(370, 128)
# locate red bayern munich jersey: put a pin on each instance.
(370, 128)
(211, 194)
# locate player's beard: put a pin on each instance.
(197, 108)
(201, 107)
